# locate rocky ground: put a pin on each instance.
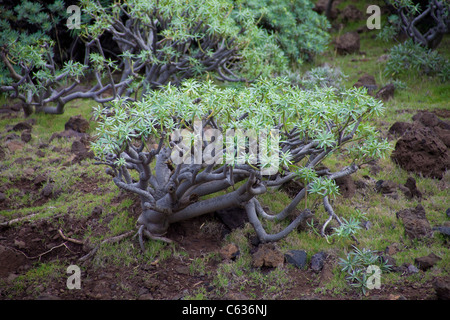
(35, 254)
(24, 244)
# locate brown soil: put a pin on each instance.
(167, 280)
(27, 244)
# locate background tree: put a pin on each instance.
(34, 71)
(168, 41)
(424, 22)
(156, 43)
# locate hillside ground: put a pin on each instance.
(72, 205)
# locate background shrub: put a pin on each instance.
(300, 32)
(410, 56)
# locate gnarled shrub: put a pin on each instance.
(178, 145)
(424, 22)
(168, 41)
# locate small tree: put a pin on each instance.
(178, 145)
(409, 58)
(425, 27)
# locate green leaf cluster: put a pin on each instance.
(322, 116)
(323, 76)
(349, 227)
(197, 23)
(356, 264)
(409, 56)
(299, 31)
(25, 37)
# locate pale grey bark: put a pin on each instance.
(172, 194)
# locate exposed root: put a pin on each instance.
(143, 231)
(252, 212)
(160, 238)
(42, 254)
(25, 218)
(70, 239)
(331, 214)
(141, 241)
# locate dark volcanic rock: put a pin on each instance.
(444, 230)
(321, 6)
(441, 128)
(318, 260)
(351, 13)
(427, 119)
(68, 134)
(411, 185)
(443, 134)
(47, 191)
(386, 93)
(415, 222)
(346, 186)
(348, 43)
(427, 262)
(22, 126)
(81, 151)
(399, 128)
(367, 81)
(10, 261)
(420, 150)
(296, 258)
(387, 188)
(442, 288)
(77, 123)
(232, 218)
(25, 136)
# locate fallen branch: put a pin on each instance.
(109, 240)
(69, 239)
(17, 220)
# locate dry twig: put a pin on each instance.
(44, 253)
(109, 240)
(69, 239)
